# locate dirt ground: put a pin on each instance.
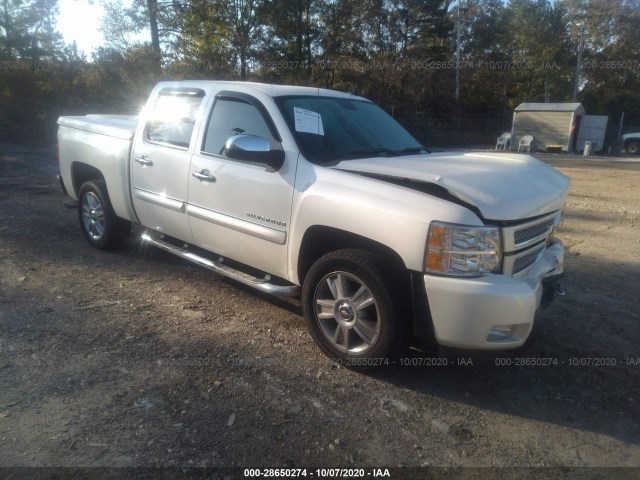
(137, 358)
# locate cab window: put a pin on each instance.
(173, 118)
(233, 117)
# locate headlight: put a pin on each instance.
(462, 250)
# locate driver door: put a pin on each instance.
(238, 209)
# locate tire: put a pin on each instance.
(632, 148)
(354, 309)
(102, 228)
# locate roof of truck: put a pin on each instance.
(269, 89)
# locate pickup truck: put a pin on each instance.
(322, 194)
(631, 143)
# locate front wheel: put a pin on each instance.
(102, 228)
(632, 148)
(354, 309)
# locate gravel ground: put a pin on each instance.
(136, 358)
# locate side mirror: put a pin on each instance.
(254, 149)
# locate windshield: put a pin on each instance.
(331, 129)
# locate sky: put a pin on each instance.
(80, 21)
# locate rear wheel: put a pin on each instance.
(632, 148)
(102, 228)
(353, 309)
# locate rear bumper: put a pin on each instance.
(464, 311)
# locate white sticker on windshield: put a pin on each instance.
(308, 121)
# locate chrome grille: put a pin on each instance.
(528, 234)
(525, 235)
(525, 261)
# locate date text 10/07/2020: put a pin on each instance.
(318, 472)
(500, 361)
(404, 362)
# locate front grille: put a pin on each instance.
(525, 243)
(524, 235)
(525, 261)
(532, 232)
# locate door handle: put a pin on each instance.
(144, 161)
(204, 176)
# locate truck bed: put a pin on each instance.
(119, 126)
(102, 142)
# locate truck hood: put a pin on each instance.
(502, 186)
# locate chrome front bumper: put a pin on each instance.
(465, 310)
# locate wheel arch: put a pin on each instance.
(319, 240)
(81, 173)
(114, 230)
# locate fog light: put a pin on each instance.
(501, 332)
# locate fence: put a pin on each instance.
(470, 130)
(32, 121)
(482, 130)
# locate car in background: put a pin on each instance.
(631, 143)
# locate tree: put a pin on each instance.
(122, 25)
(537, 46)
(29, 30)
(610, 68)
(29, 40)
(289, 43)
(201, 50)
(485, 49)
(246, 31)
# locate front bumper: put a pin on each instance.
(464, 310)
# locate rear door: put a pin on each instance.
(243, 210)
(161, 157)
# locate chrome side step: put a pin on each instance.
(261, 284)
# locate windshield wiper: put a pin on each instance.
(416, 150)
(375, 151)
(383, 152)
(388, 152)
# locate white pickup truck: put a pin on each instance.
(319, 193)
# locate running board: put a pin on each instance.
(261, 284)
